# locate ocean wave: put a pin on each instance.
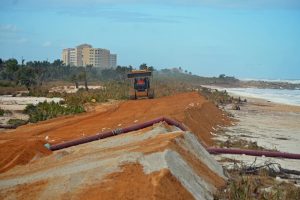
(290, 97)
(292, 81)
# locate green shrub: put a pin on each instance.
(6, 84)
(112, 90)
(74, 102)
(38, 92)
(216, 96)
(2, 112)
(16, 122)
(44, 111)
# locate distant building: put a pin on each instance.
(69, 57)
(85, 54)
(113, 61)
(81, 53)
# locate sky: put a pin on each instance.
(241, 38)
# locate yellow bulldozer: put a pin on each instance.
(140, 82)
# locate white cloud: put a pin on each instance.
(121, 15)
(47, 44)
(8, 28)
(22, 40)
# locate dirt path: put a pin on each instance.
(190, 108)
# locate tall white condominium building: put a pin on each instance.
(69, 56)
(113, 61)
(85, 54)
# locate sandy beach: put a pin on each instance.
(16, 105)
(273, 126)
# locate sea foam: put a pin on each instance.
(290, 97)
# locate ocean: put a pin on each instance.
(289, 97)
(293, 81)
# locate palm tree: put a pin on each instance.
(143, 66)
(11, 68)
(74, 79)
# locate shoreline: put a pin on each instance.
(268, 105)
(271, 125)
(258, 97)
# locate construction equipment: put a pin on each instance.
(140, 80)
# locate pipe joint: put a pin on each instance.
(117, 131)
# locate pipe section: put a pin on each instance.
(172, 122)
(274, 154)
(118, 131)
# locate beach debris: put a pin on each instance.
(260, 180)
(47, 145)
(272, 169)
(214, 134)
(234, 142)
(235, 107)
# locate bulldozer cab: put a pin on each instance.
(140, 81)
(141, 84)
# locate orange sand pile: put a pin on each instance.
(132, 183)
(19, 152)
(190, 108)
(89, 171)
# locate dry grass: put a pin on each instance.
(240, 143)
(170, 87)
(218, 97)
(11, 90)
(261, 186)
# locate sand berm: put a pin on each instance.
(162, 152)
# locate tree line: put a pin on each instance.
(35, 73)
